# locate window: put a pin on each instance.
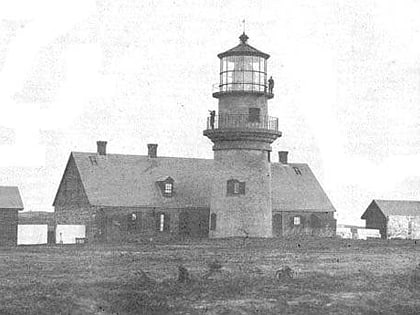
(93, 160)
(296, 220)
(161, 222)
(297, 170)
(235, 187)
(213, 218)
(134, 222)
(254, 115)
(168, 188)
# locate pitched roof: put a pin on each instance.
(295, 187)
(10, 198)
(398, 207)
(243, 49)
(130, 180)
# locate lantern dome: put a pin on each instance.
(243, 49)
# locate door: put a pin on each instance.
(277, 225)
(184, 224)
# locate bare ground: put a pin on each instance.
(330, 276)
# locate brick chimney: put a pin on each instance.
(283, 157)
(101, 147)
(152, 150)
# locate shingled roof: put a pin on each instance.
(10, 198)
(295, 187)
(396, 207)
(130, 181)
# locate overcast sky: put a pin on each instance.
(347, 89)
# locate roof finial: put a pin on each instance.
(243, 37)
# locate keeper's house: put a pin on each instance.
(118, 196)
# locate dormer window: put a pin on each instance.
(235, 187)
(166, 186)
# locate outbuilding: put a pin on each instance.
(10, 204)
(394, 218)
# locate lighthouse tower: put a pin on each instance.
(242, 133)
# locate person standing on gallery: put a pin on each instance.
(212, 116)
(270, 85)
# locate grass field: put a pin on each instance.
(331, 276)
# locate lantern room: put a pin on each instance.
(243, 69)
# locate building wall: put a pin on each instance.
(125, 223)
(8, 226)
(403, 227)
(118, 223)
(376, 220)
(239, 104)
(248, 214)
(77, 215)
(293, 223)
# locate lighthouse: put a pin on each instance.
(242, 132)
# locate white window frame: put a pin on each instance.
(168, 188)
(236, 188)
(161, 222)
(296, 221)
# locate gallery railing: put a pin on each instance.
(240, 86)
(231, 121)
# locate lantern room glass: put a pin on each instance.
(243, 73)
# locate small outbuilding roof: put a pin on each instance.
(395, 207)
(10, 198)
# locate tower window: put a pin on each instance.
(235, 187)
(254, 115)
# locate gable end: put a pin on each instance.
(71, 190)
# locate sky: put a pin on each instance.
(347, 89)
